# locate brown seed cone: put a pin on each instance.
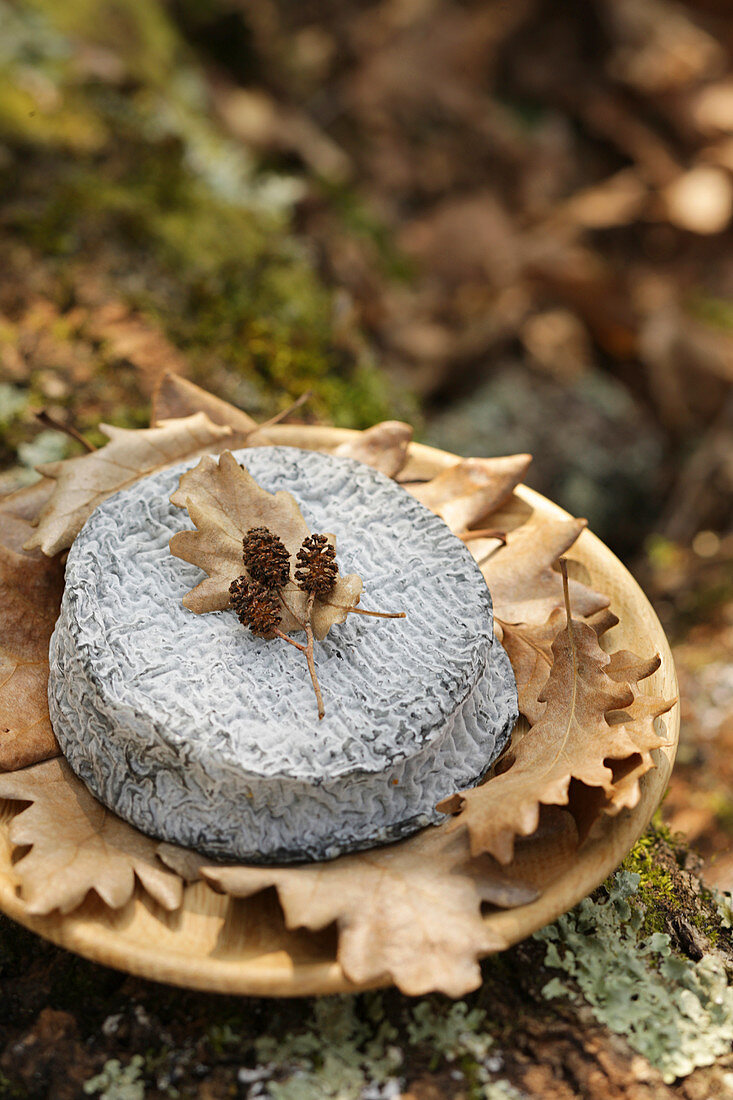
(256, 605)
(266, 557)
(318, 568)
(238, 591)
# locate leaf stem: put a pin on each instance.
(49, 421)
(285, 412)
(483, 533)
(309, 654)
(566, 593)
(354, 610)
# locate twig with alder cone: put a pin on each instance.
(259, 599)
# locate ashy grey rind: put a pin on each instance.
(200, 734)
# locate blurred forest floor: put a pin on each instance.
(509, 222)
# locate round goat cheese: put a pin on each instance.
(199, 733)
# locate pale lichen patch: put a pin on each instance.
(351, 1051)
(118, 1082)
(338, 1056)
(677, 1013)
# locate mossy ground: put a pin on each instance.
(137, 236)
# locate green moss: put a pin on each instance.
(137, 30)
(359, 220)
(717, 312)
(653, 858)
(656, 885)
(148, 188)
(11, 1091)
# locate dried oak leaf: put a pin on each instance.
(576, 738)
(410, 911)
(84, 482)
(77, 845)
(639, 719)
(176, 397)
(529, 647)
(465, 493)
(31, 586)
(224, 502)
(27, 503)
(524, 587)
(383, 446)
(589, 804)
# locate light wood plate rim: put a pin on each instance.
(126, 939)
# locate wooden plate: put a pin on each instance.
(226, 945)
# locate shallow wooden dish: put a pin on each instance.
(226, 945)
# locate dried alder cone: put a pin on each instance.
(317, 566)
(266, 558)
(412, 910)
(256, 605)
(236, 520)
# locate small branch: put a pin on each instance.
(354, 610)
(483, 533)
(286, 412)
(49, 421)
(309, 654)
(291, 641)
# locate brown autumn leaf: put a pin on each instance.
(640, 719)
(383, 446)
(27, 503)
(224, 502)
(589, 804)
(524, 587)
(625, 665)
(31, 586)
(77, 845)
(176, 397)
(410, 911)
(574, 739)
(529, 647)
(84, 482)
(465, 493)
